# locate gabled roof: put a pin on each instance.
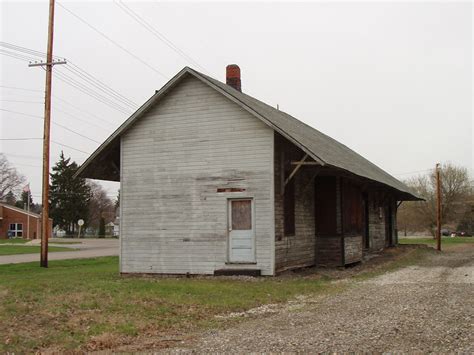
(322, 148)
(32, 214)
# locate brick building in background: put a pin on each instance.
(16, 221)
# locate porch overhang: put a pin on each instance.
(365, 182)
(103, 164)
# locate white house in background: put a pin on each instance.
(116, 231)
(109, 228)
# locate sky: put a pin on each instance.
(391, 80)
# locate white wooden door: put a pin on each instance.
(241, 231)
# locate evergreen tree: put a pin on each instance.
(10, 198)
(69, 196)
(22, 202)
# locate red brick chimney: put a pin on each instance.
(233, 76)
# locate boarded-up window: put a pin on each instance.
(241, 214)
(326, 206)
(289, 208)
(353, 209)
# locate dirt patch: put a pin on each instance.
(298, 303)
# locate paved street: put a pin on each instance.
(89, 248)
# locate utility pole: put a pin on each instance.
(46, 135)
(28, 211)
(438, 207)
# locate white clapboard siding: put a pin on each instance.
(174, 159)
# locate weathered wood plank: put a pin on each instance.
(173, 161)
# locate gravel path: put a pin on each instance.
(424, 308)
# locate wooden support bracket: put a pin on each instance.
(295, 170)
(305, 163)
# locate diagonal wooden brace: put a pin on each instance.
(295, 170)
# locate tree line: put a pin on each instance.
(71, 198)
(457, 202)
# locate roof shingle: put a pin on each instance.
(318, 145)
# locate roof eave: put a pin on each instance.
(129, 121)
(102, 149)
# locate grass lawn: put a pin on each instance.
(27, 249)
(13, 241)
(85, 304)
(432, 242)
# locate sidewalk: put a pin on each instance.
(89, 248)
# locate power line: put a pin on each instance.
(23, 101)
(36, 139)
(75, 68)
(83, 111)
(77, 133)
(18, 88)
(413, 172)
(21, 113)
(79, 71)
(99, 87)
(80, 119)
(26, 50)
(95, 95)
(55, 123)
(68, 146)
(58, 98)
(81, 87)
(22, 156)
(156, 33)
(20, 96)
(14, 55)
(112, 41)
(101, 83)
(28, 165)
(59, 110)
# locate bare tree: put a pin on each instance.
(409, 219)
(10, 179)
(455, 191)
(100, 206)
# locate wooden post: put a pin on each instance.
(46, 140)
(438, 208)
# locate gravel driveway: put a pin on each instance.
(423, 308)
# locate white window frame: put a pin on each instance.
(17, 232)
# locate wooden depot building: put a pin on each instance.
(214, 181)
